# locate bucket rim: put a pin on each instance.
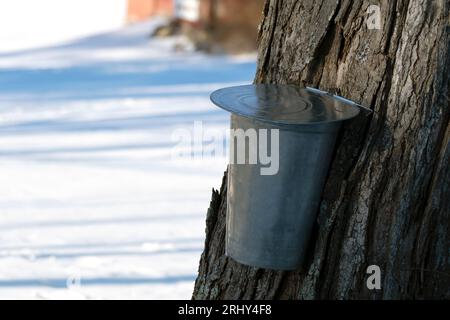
(285, 105)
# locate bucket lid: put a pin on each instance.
(285, 104)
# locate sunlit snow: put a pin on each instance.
(91, 203)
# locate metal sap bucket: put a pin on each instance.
(270, 216)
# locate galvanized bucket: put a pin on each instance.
(270, 213)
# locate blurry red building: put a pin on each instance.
(232, 23)
(206, 12)
(139, 10)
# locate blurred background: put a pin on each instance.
(92, 205)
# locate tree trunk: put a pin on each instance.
(386, 199)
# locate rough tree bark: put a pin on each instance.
(386, 200)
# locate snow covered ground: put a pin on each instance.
(92, 205)
(27, 24)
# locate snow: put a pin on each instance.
(93, 205)
(30, 23)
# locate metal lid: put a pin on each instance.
(284, 104)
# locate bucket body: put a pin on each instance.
(270, 217)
